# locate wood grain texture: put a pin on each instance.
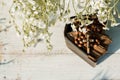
(60, 64)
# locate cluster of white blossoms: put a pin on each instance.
(39, 15)
(107, 10)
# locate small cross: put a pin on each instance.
(88, 42)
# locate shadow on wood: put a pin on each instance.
(114, 34)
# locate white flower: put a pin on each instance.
(80, 29)
(28, 12)
(114, 12)
(36, 12)
(42, 36)
(30, 33)
(115, 24)
(27, 20)
(33, 8)
(24, 6)
(13, 10)
(41, 25)
(105, 28)
(73, 27)
(102, 4)
(84, 30)
(21, 1)
(31, 19)
(32, 2)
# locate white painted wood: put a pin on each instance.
(60, 64)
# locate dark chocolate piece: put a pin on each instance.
(92, 58)
(99, 49)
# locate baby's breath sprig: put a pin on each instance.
(38, 15)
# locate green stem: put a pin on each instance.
(68, 4)
(115, 4)
(13, 18)
(87, 2)
(110, 10)
(74, 6)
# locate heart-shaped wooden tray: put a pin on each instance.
(93, 58)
